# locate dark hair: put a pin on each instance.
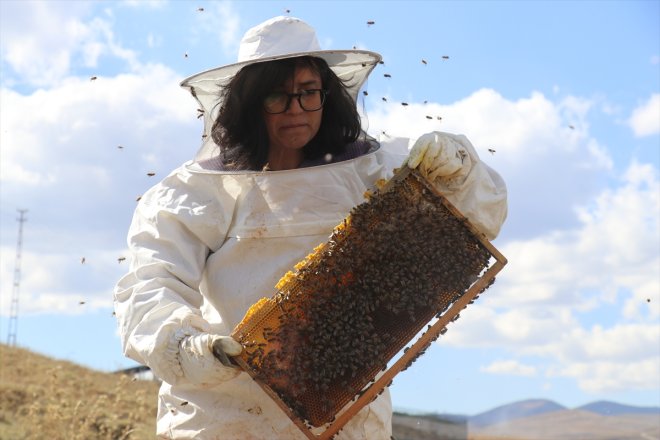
(240, 129)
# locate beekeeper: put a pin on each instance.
(283, 161)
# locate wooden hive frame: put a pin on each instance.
(263, 314)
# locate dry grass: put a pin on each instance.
(45, 398)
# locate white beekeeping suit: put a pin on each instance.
(208, 243)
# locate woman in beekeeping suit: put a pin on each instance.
(283, 161)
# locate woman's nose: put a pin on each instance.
(294, 105)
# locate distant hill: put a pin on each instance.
(572, 424)
(512, 411)
(539, 419)
(606, 408)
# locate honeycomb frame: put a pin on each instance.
(300, 402)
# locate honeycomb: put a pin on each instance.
(396, 262)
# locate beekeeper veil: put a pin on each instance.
(274, 39)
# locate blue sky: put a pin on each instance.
(567, 93)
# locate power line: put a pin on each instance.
(13, 311)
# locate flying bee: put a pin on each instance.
(404, 104)
(120, 259)
(151, 174)
(491, 151)
(429, 117)
(200, 9)
(365, 93)
(387, 75)
(384, 99)
(445, 57)
(370, 22)
(424, 61)
(93, 78)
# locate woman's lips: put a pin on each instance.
(293, 126)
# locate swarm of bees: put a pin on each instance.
(397, 261)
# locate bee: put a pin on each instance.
(429, 117)
(384, 99)
(424, 61)
(387, 75)
(184, 403)
(185, 54)
(120, 259)
(572, 127)
(81, 302)
(151, 174)
(138, 198)
(445, 57)
(365, 93)
(120, 147)
(370, 22)
(404, 104)
(82, 260)
(200, 9)
(491, 151)
(93, 78)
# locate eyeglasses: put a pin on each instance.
(310, 100)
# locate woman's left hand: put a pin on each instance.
(436, 154)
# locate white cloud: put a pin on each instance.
(549, 168)
(536, 306)
(60, 160)
(599, 377)
(78, 121)
(645, 119)
(228, 35)
(59, 281)
(621, 342)
(43, 41)
(509, 367)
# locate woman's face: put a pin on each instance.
(290, 131)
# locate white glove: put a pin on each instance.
(204, 358)
(436, 154)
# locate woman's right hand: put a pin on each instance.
(204, 358)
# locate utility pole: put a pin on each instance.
(13, 311)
